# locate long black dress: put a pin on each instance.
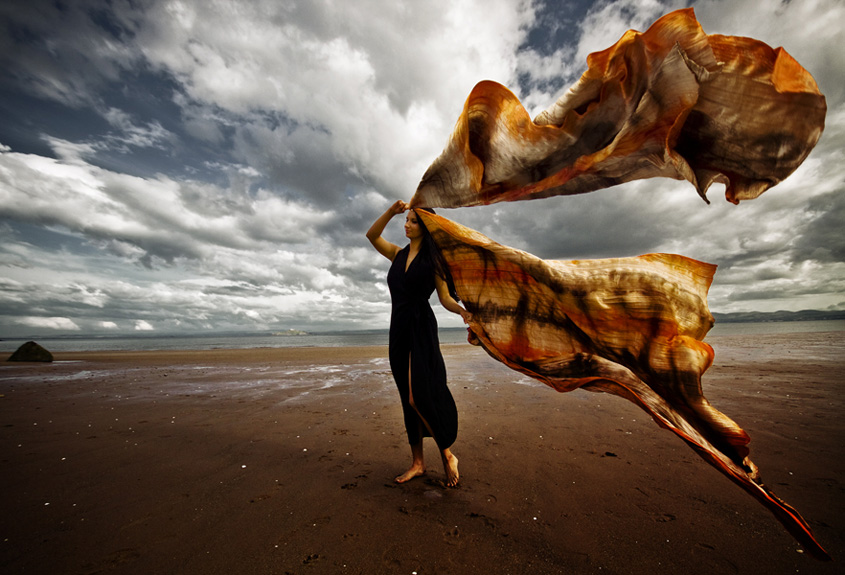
(413, 336)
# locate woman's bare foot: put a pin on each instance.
(450, 466)
(415, 471)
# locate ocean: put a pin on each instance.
(337, 339)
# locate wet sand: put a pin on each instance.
(281, 461)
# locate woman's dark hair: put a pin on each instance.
(432, 253)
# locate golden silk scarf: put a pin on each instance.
(671, 102)
(632, 327)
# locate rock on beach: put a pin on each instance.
(31, 351)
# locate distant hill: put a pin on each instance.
(757, 316)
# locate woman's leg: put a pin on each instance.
(450, 462)
(417, 465)
(450, 467)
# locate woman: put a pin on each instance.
(415, 359)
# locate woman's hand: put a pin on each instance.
(467, 316)
(397, 208)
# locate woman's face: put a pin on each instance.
(413, 229)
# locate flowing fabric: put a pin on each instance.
(632, 327)
(670, 102)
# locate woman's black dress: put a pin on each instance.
(413, 336)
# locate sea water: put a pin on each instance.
(339, 339)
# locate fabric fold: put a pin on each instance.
(670, 102)
(632, 327)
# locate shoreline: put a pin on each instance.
(276, 460)
(448, 336)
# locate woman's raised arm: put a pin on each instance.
(384, 247)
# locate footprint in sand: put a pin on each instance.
(312, 558)
(112, 561)
(389, 559)
(452, 536)
(491, 523)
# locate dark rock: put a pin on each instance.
(31, 351)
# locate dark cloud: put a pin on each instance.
(298, 162)
(65, 51)
(821, 238)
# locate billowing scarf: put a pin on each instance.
(671, 102)
(632, 327)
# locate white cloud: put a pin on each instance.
(131, 135)
(607, 21)
(57, 323)
(372, 76)
(158, 217)
(143, 325)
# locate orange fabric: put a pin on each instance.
(632, 327)
(669, 102)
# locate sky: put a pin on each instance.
(208, 166)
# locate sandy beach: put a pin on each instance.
(276, 461)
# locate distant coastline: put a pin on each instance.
(763, 317)
(726, 324)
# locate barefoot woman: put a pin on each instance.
(415, 358)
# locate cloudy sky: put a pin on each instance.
(205, 165)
